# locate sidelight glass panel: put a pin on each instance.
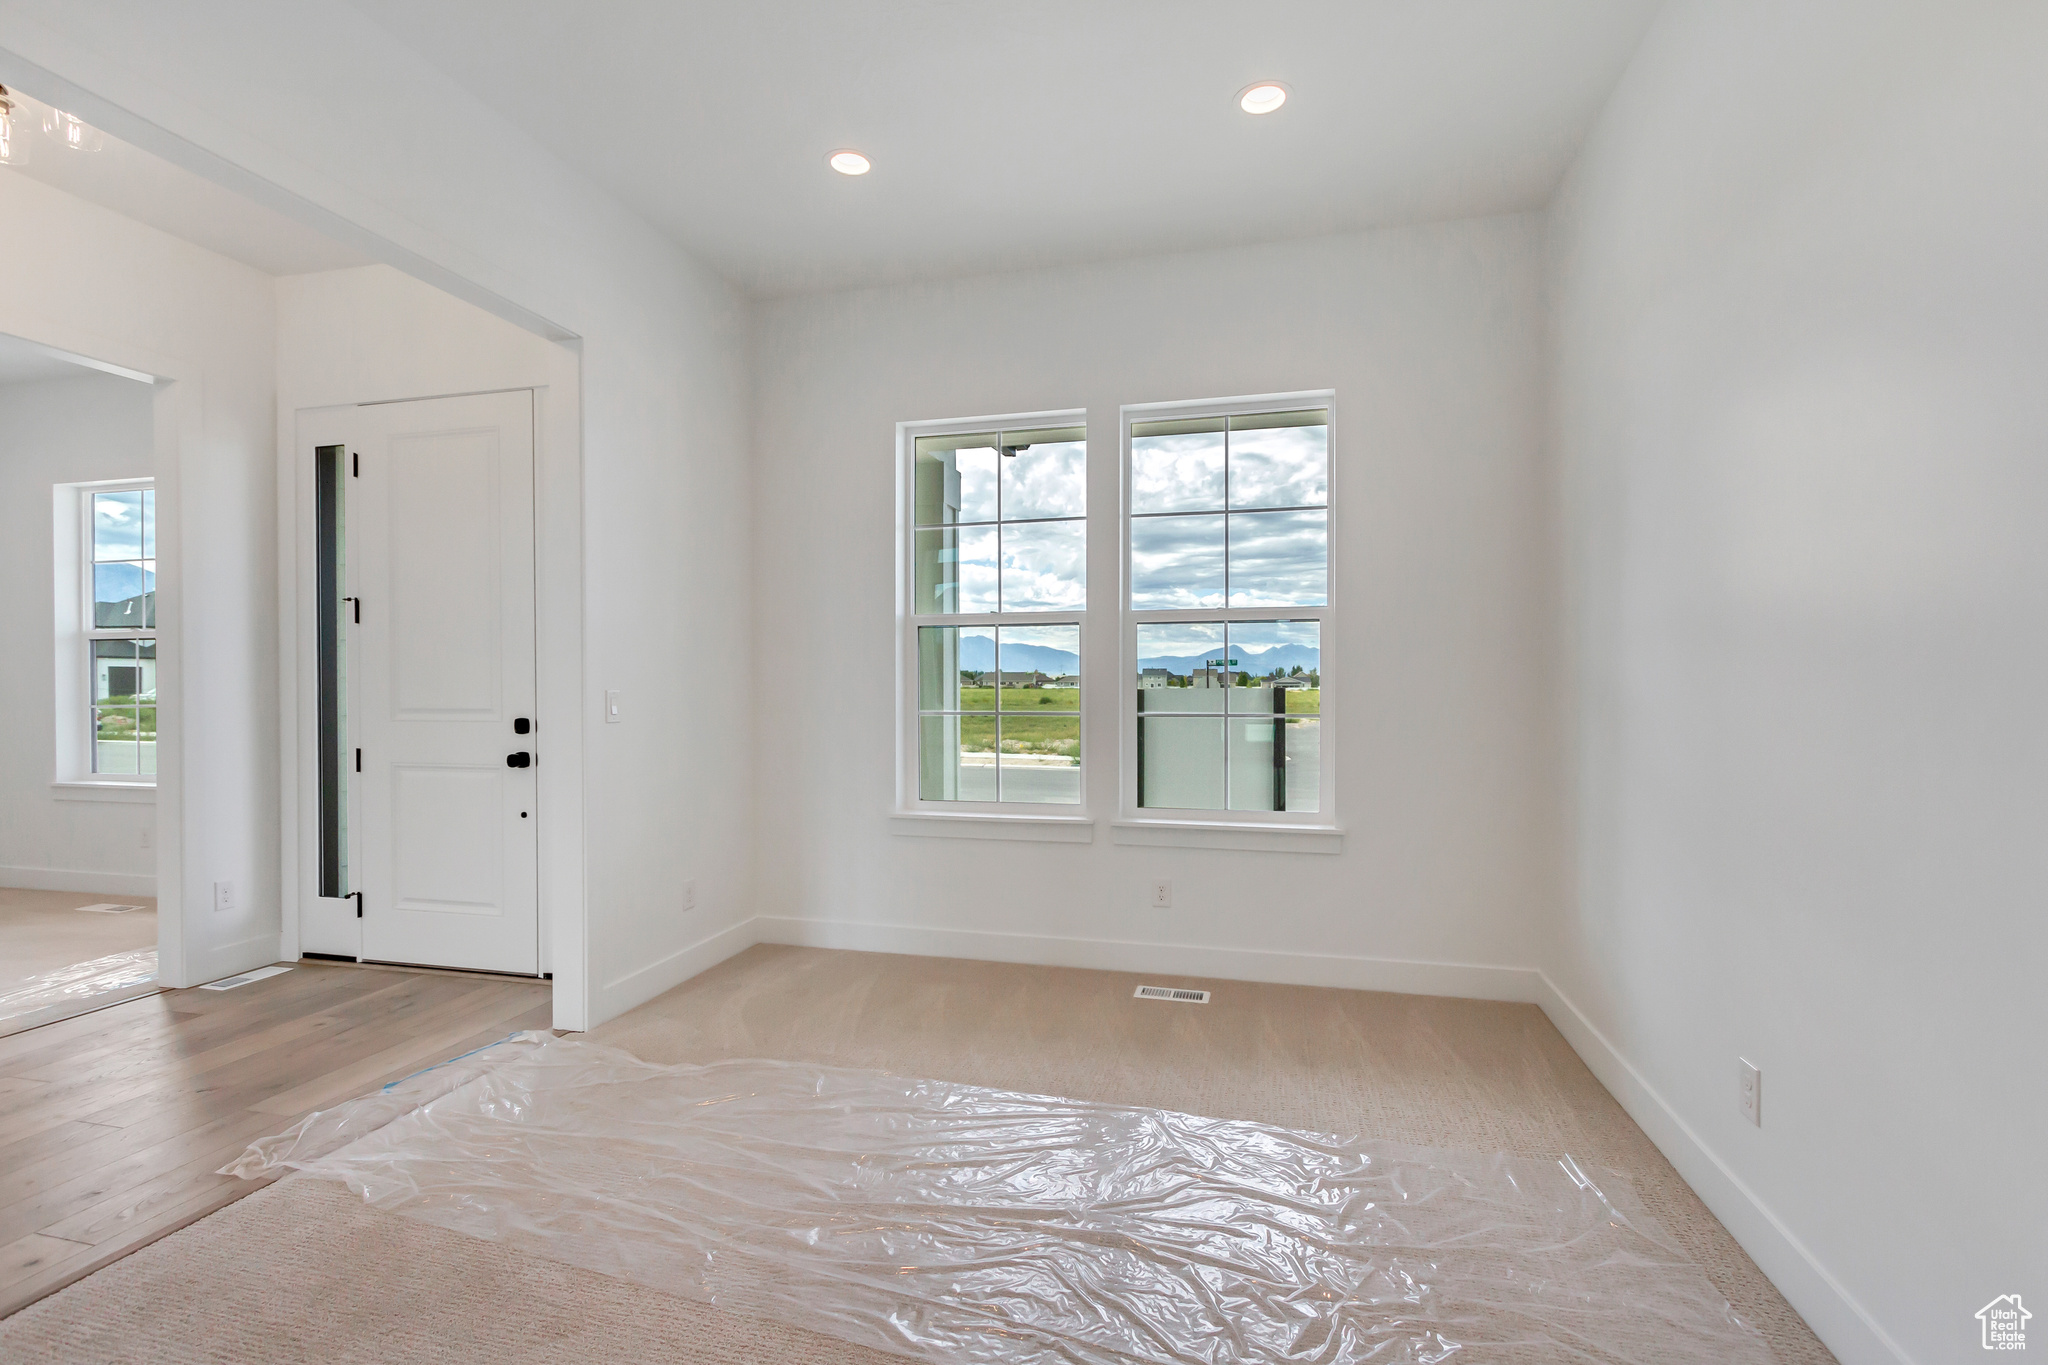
(330, 575)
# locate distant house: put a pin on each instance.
(1064, 680)
(1031, 679)
(1213, 677)
(1155, 677)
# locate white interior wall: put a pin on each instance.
(53, 431)
(98, 284)
(1430, 337)
(420, 174)
(1801, 333)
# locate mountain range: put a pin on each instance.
(978, 653)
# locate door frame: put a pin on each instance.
(558, 711)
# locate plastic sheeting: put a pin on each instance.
(79, 982)
(955, 1224)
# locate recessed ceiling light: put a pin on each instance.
(1262, 98)
(850, 162)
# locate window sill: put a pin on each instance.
(1218, 834)
(1040, 829)
(132, 793)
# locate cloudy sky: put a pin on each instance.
(1206, 531)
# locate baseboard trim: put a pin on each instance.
(231, 959)
(1842, 1324)
(642, 984)
(1468, 980)
(69, 879)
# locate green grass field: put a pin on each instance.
(1032, 723)
(1022, 734)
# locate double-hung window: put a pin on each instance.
(996, 578)
(118, 581)
(1227, 619)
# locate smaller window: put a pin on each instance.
(119, 588)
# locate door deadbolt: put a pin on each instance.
(521, 759)
(520, 725)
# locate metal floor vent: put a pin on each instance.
(228, 983)
(107, 908)
(1180, 993)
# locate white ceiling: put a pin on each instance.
(1008, 133)
(147, 188)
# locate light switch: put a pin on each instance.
(611, 707)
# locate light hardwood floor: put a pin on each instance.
(112, 1124)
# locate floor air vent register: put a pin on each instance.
(1177, 993)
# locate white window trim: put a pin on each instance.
(973, 819)
(74, 778)
(1272, 831)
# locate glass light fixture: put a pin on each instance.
(72, 131)
(11, 149)
(1262, 98)
(849, 162)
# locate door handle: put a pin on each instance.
(521, 759)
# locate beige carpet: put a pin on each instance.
(300, 1272)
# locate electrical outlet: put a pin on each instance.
(613, 707)
(1162, 895)
(1751, 1092)
(690, 895)
(223, 895)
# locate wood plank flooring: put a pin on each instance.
(112, 1124)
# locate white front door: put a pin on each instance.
(439, 535)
